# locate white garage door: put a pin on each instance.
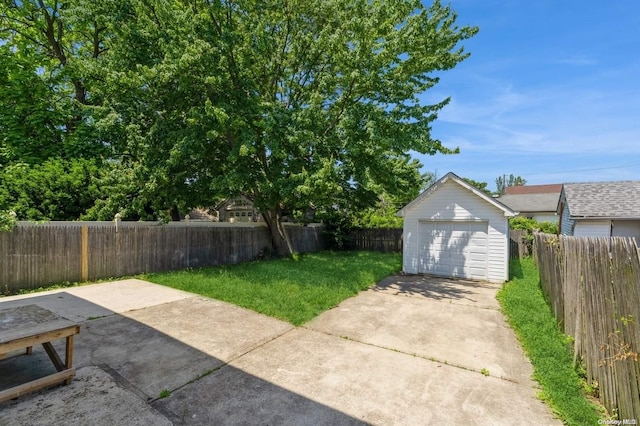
(453, 249)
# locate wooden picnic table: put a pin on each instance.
(25, 326)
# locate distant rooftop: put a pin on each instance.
(531, 202)
(604, 199)
(534, 189)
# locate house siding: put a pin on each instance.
(592, 228)
(626, 228)
(566, 223)
(452, 202)
(549, 217)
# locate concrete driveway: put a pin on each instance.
(411, 350)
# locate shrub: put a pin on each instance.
(7, 221)
(524, 223)
(548, 227)
(531, 225)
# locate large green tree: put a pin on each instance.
(408, 183)
(55, 189)
(482, 186)
(44, 92)
(289, 103)
(50, 154)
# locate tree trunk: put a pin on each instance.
(279, 238)
(175, 213)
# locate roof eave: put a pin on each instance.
(604, 217)
(508, 212)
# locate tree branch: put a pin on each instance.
(336, 119)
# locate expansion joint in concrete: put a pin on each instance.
(429, 358)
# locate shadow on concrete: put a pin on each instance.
(147, 362)
(431, 287)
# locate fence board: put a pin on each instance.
(593, 286)
(35, 255)
(377, 239)
(519, 243)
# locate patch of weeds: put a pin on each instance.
(206, 373)
(590, 389)
(95, 318)
(485, 372)
(56, 286)
(164, 393)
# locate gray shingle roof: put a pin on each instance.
(531, 202)
(604, 199)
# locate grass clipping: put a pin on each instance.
(530, 316)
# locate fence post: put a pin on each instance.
(84, 271)
(186, 239)
(116, 219)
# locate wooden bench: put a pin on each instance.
(26, 326)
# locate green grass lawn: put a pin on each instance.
(531, 317)
(291, 289)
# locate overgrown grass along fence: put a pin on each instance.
(593, 286)
(32, 256)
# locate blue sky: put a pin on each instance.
(551, 92)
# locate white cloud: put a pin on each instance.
(554, 120)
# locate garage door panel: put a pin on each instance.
(457, 249)
(476, 259)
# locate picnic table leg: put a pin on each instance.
(68, 362)
(53, 355)
(29, 350)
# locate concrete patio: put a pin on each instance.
(411, 350)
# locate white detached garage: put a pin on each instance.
(455, 230)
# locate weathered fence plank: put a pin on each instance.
(35, 255)
(519, 243)
(593, 286)
(377, 239)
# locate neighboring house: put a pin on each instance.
(600, 209)
(538, 202)
(453, 229)
(237, 209)
(203, 215)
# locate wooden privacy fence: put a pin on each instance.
(35, 255)
(520, 243)
(377, 239)
(593, 286)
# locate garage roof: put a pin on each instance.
(455, 178)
